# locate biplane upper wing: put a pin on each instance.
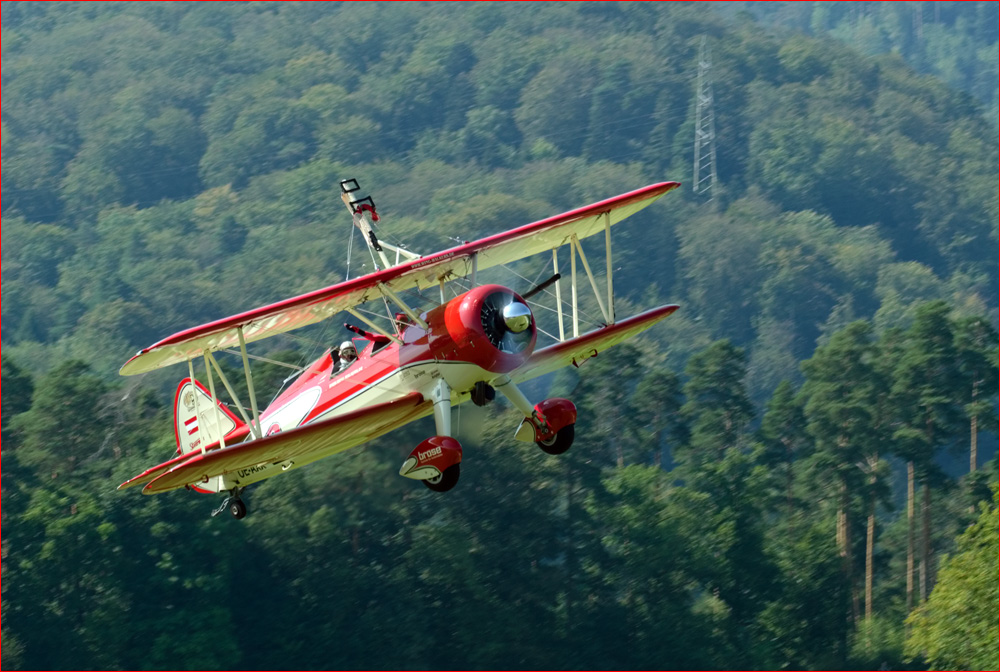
(577, 350)
(421, 273)
(294, 447)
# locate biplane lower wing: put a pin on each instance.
(153, 472)
(577, 350)
(291, 448)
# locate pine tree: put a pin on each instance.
(957, 627)
(784, 439)
(657, 403)
(65, 425)
(842, 389)
(926, 390)
(976, 342)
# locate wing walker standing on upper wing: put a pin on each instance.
(479, 342)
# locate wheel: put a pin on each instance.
(238, 508)
(445, 481)
(559, 443)
(482, 394)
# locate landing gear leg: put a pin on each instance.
(549, 424)
(437, 460)
(441, 396)
(514, 395)
(234, 503)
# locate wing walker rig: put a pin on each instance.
(422, 363)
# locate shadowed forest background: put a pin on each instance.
(796, 470)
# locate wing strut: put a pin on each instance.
(405, 308)
(593, 283)
(555, 269)
(572, 272)
(250, 390)
(232, 393)
(215, 403)
(607, 256)
(607, 310)
(374, 326)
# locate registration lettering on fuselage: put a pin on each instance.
(250, 471)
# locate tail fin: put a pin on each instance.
(198, 422)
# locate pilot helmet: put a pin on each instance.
(348, 351)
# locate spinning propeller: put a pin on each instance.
(507, 322)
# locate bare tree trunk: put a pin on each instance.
(870, 538)
(973, 429)
(909, 536)
(869, 574)
(789, 483)
(658, 448)
(926, 551)
(973, 443)
(869, 563)
(841, 532)
(844, 543)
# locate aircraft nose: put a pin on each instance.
(517, 316)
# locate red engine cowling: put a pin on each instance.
(490, 326)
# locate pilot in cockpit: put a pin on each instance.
(348, 353)
(343, 357)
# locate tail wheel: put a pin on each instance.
(238, 508)
(446, 480)
(559, 443)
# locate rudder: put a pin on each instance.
(198, 422)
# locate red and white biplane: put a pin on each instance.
(464, 348)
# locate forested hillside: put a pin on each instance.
(771, 483)
(953, 40)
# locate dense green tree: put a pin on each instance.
(657, 402)
(64, 425)
(976, 343)
(668, 620)
(784, 441)
(717, 407)
(719, 462)
(170, 163)
(957, 627)
(803, 625)
(842, 391)
(17, 392)
(926, 391)
(720, 284)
